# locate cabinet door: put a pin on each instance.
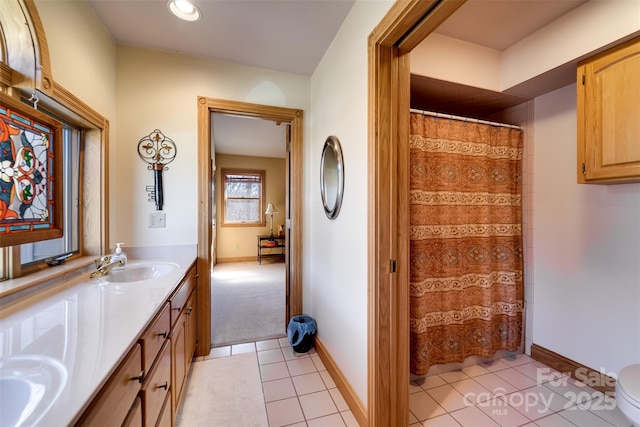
(191, 330)
(178, 357)
(608, 115)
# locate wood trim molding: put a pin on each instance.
(79, 107)
(237, 259)
(44, 80)
(350, 396)
(6, 74)
(94, 187)
(578, 371)
(24, 47)
(405, 25)
(205, 176)
(205, 179)
(30, 68)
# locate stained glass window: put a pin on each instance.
(29, 183)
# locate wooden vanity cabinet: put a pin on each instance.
(112, 405)
(146, 388)
(191, 328)
(164, 420)
(155, 337)
(608, 90)
(156, 387)
(134, 418)
(183, 336)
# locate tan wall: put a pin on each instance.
(240, 242)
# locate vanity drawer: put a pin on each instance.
(134, 419)
(179, 298)
(113, 403)
(156, 387)
(154, 337)
(165, 416)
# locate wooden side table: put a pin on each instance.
(262, 246)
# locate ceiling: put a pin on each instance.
(247, 136)
(293, 35)
(499, 24)
(281, 35)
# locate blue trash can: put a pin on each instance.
(301, 332)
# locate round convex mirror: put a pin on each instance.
(331, 177)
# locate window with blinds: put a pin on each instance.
(243, 197)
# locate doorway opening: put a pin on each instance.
(293, 205)
(249, 242)
(405, 26)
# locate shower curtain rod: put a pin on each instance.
(464, 119)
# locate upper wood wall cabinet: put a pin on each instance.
(609, 116)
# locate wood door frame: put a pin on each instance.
(405, 25)
(294, 117)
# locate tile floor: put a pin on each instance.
(507, 393)
(298, 390)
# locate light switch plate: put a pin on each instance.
(157, 220)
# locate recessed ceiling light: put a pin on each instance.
(184, 9)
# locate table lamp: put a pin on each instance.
(270, 211)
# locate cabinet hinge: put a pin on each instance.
(393, 266)
(583, 79)
(584, 169)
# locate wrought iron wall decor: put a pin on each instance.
(157, 150)
(30, 174)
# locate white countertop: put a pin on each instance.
(66, 345)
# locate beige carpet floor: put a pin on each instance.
(247, 302)
(224, 392)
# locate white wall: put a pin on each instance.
(446, 58)
(586, 249)
(335, 252)
(461, 62)
(157, 90)
(573, 36)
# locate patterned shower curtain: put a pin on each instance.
(466, 291)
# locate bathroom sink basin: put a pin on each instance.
(29, 386)
(139, 273)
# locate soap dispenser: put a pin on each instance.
(119, 255)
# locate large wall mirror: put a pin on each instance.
(331, 177)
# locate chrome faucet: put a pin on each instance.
(105, 263)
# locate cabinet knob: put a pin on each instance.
(140, 377)
(163, 334)
(178, 308)
(165, 385)
(189, 310)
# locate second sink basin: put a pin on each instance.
(138, 273)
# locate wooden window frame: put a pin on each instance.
(32, 70)
(54, 178)
(223, 195)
